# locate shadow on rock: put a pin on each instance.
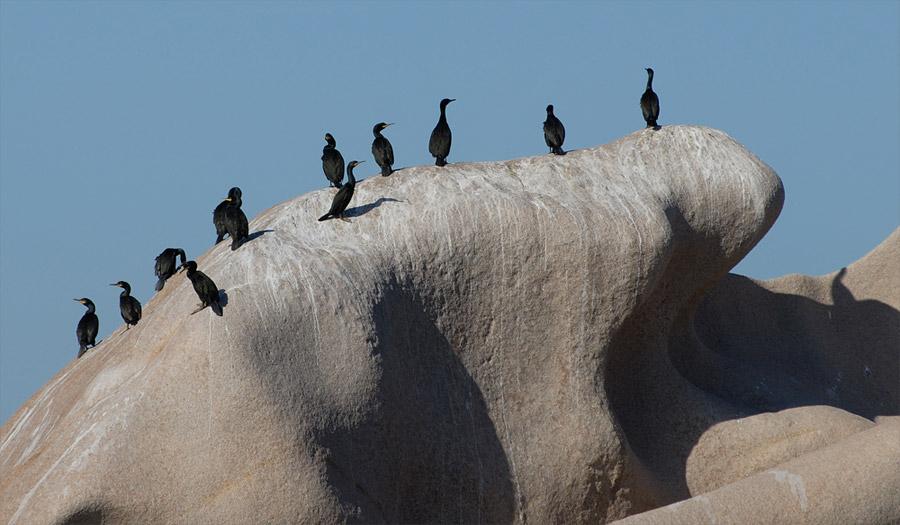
(256, 234)
(362, 210)
(429, 452)
(223, 297)
(746, 351)
(783, 350)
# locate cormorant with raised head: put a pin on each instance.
(128, 305)
(165, 265)
(206, 289)
(88, 327)
(439, 145)
(554, 132)
(219, 213)
(332, 162)
(235, 221)
(650, 102)
(382, 150)
(343, 196)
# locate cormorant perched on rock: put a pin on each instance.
(87, 327)
(343, 196)
(382, 150)
(650, 102)
(439, 145)
(128, 305)
(165, 265)
(234, 219)
(219, 213)
(332, 162)
(206, 289)
(554, 132)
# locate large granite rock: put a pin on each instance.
(492, 342)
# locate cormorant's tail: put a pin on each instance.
(236, 243)
(652, 124)
(219, 237)
(82, 350)
(325, 217)
(337, 185)
(160, 283)
(558, 151)
(217, 308)
(386, 170)
(439, 161)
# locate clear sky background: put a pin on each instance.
(122, 124)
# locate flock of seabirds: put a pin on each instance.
(229, 219)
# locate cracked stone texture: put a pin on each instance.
(487, 342)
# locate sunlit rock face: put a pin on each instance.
(482, 343)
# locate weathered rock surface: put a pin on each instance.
(493, 342)
(810, 362)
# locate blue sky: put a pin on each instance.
(122, 124)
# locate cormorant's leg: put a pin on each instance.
(199, 307)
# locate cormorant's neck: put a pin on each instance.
(443, 112)
(377, 133)
(236, 202)
(126, 291)
(351, 180)
(649, 80)
(90, 307)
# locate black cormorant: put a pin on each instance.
(439, 145)
(87, 327)
(206, 289)
(219, 213)
(128, 305)
(554, 132)
(382, 150)
(650, 102)
(165, 265)
(343, 196)
(235, 221)
(332, 162)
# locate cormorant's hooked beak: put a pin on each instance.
(389, 124)
(452, 100)
(78, 301)
(360, 162)
(227, 199)
(114, 284)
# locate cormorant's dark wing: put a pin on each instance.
(341, 200)
(81, 331)
(131, 310)
(236, 225)
(649, 105)
(333, 165)
(219, 220)
(439, 144)
(87, 329)
(165, 264)
(389, 152)
(206, 288)
(554, 132)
